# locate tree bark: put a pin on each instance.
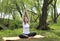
(55, 12)
(43, 17)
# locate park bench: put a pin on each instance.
(17, 38)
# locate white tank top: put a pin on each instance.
(26, 28)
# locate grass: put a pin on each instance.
(51, 35)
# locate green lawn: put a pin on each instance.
(51, 35)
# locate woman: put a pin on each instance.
(26, 31)
(26, 25)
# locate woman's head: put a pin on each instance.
(25, 19)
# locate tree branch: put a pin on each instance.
(17, 7)
(58, 15)
(52, 5)
(50, 2)
(32, 12)
(36, 19)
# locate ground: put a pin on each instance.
(51, 35)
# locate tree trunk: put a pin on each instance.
(55, 12)
(43, 17)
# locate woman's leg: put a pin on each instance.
(23, 36)
(32, 34)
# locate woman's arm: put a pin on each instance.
(25, 14)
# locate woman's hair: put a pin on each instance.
(25, 19)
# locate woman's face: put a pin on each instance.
(25, 20)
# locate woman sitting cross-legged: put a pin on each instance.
(26, 31)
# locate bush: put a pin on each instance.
(10, 24)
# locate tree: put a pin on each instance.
(55, 11)
(43, 17)
(55, 14)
